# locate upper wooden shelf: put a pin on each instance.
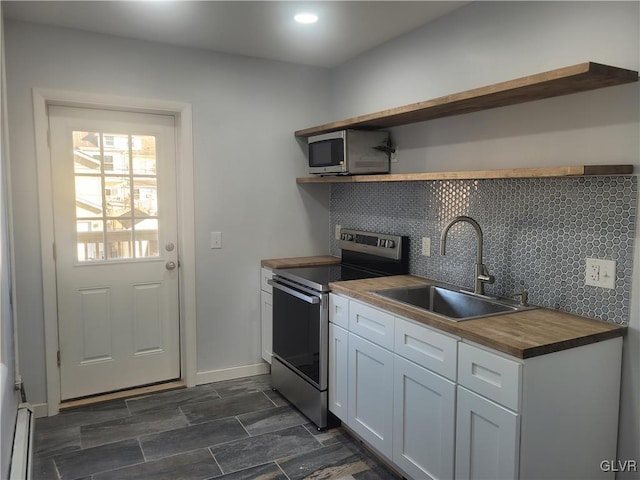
(538, 172)
(562, 81)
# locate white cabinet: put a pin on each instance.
(370, 412)
(439, 407)
(338, 371)
(487, 438)
(487, 433)
(547, 417)
(266, 313)
(424, 421)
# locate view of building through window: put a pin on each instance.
(116, 196)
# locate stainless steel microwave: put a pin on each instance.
(349, 152)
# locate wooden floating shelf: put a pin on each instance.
(562, 81)
(538, 172)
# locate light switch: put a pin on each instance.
(216, 239)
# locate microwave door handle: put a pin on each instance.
(295, 293)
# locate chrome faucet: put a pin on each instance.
(482, 275)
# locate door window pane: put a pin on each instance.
(90, 239)
(119, 239)
(86, 152)
(145, 195)
(117, 194)
(116, 211)
(116, 153)
(143, 150)
(146, 238)
(88, 196)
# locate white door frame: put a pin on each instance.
(186, 220)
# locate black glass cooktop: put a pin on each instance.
(319, 277)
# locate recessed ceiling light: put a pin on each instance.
(306, 18)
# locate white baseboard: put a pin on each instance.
(231, 373)
(40, 409)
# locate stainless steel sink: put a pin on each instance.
(455, 305)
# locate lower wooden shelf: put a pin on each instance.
(538, 172)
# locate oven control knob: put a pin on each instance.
(381, 242)
(391, 244)
(350, 237)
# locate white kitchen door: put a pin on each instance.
(116, 252)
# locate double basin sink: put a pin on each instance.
(451, 303)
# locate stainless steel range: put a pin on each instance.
(299, 367)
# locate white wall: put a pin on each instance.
(488, 42)
(246, 159)
(8, 395)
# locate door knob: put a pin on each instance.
(170, 265)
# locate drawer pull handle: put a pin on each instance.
(427, 349)
(370, 324)
(486, 375)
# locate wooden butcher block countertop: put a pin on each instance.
(523, 334)
(300, 262)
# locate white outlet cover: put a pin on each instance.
(600, 273)
(426, 246)
(337, 232)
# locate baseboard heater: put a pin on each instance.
(22, 454)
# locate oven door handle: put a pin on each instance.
(307, 298)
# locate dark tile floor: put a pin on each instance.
(237, 429)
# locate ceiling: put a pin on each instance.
(263, 29)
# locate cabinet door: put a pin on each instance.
(338, 371)
(424, 421)
(487, 439)
(370, 393)
(266, 320)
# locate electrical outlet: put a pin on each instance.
(593, 272)
(426, 246)
(337, 233)
(600, 273)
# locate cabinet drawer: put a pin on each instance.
(339, 310)
(372, 324)
(490, 375)
(426, 347)
(265, 275)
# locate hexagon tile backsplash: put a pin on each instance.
(537, 233)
